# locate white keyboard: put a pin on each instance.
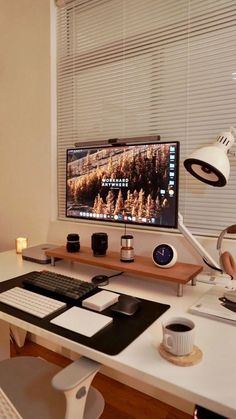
(30, 302)
(7, 410)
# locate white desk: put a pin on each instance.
(211, 383)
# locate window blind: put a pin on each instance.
(129, 68)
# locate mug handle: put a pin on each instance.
(168, 341)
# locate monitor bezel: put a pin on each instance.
(126, 222)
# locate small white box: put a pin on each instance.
(101, 300)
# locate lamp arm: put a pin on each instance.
(233, 131)
(197, 246)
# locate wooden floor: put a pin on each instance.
(121, 401)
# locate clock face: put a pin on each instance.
(164, 255)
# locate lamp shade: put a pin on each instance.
(210, 164)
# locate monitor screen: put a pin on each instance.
(133, 184)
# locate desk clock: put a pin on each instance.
(164, 255)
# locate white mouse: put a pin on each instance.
(230, 295)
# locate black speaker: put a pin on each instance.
(99, 244)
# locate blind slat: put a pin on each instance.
(128, 68)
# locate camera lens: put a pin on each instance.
(73, 244)
(99, 243)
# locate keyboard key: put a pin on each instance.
(30, 302)
(57, 284)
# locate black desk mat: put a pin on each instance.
(112, 339)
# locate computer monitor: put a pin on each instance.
(133, 184)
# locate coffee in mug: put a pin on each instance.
(178, 336)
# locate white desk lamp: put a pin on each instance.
(210, 165)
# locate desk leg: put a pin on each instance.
(194, 281)
(19, 335)
(52, 261)
(180, 288)
(4, 340)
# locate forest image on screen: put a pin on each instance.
(134, 184)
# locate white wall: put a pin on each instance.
(24, 120)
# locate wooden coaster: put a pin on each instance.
(182, 361)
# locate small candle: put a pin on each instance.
(21, 243)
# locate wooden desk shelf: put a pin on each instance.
(180, 273)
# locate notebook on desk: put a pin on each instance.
(213, 305)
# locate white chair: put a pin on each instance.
(41, 390)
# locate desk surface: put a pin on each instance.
(211, 383)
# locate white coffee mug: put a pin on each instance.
(178, 335)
